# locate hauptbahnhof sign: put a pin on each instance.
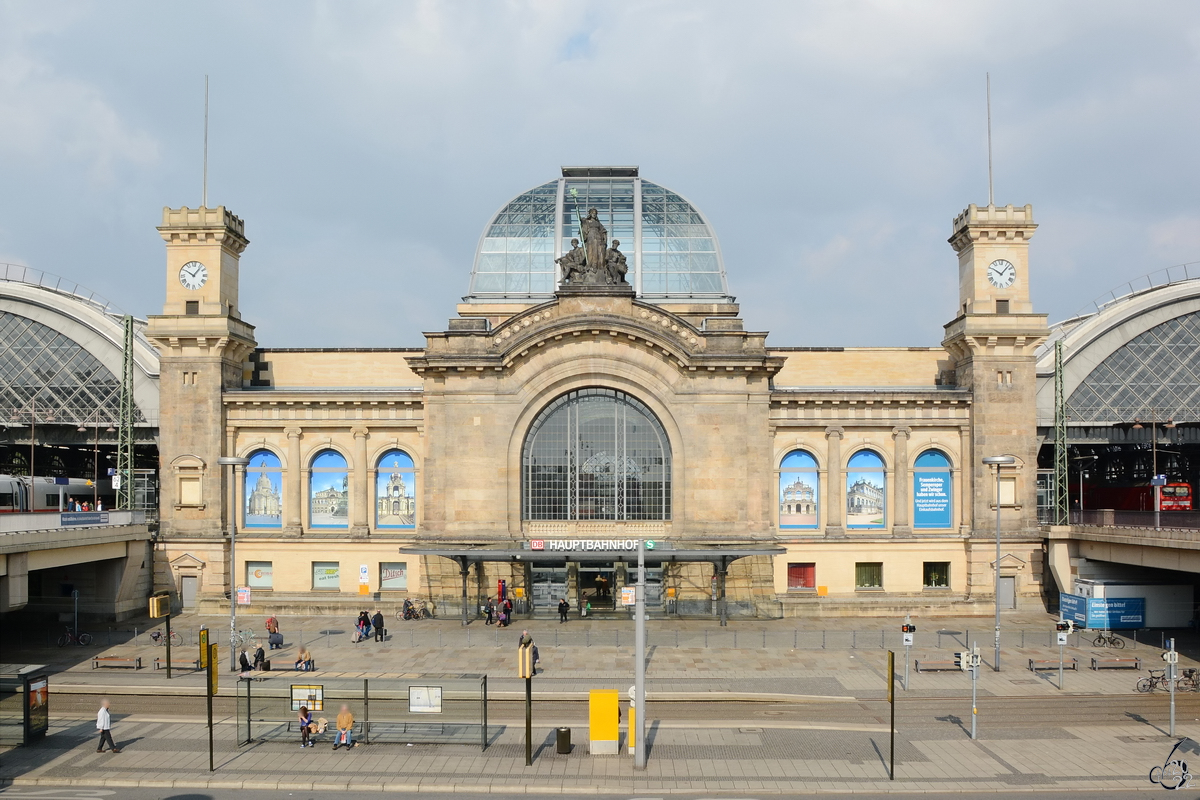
(586, 544)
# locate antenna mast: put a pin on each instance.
(204, 189)
(991, 199)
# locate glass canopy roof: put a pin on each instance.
(672, 250)
(1158, 370)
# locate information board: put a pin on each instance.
(425, 699)
(931, 500)
(37, 708)
(310, 695)
(1113, 613)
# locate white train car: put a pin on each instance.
(53, 494)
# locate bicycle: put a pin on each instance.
(239, 639)
(414, 609)
(1157, 680)
(70, 637)
(1106, 639)
(1189, 681)
(159, 638)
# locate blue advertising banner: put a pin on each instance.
(1117, 612)
(931, 500)
(1073, 608)
(1099, 614)
(83, 518)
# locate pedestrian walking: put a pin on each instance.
(104, 725)
(563, 608)
(377, 621)
(345, 728)
(490, 610)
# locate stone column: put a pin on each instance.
(295, 485)
(901, 521)
(360, 492)
(834, 483)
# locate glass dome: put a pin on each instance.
(672, 250)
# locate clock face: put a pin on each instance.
(193, 275)
(1001, 273)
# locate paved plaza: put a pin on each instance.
(790, 716)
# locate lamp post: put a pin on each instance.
(96, 455)
(233, 463)
(998, 462)
(1082, 458)
(1154, 481)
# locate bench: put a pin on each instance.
(1069, 663)
(293, 727)
(1104, 662)
(161, 663)
(937, 666)
(117, 661)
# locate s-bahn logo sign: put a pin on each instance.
(583, 544)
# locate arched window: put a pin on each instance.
(395, 491)
(264, 491)
(931, 490)
(329, 495)
(799, 490)
(596, 454)
(866, 491)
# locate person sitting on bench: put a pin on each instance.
(345, 729)
(304, 660)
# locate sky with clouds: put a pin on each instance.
(366, 145)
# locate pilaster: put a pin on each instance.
(834, 483)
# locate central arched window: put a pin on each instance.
(596, 454)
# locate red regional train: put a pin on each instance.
(1140, 497)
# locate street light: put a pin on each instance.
(1154, 481)
(96, 455)
(233, 463)
(998, 462)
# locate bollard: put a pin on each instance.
(135, 636)
(555, 637)
(881, 645)
(764, 638)
(110, 636)
(588, 637)
(795, 638)
(822, 640)
(735, 640)
(854, 640)
(618, 642)
(706, 638)
(412, 642)
(1022, 637)
(439, 638)
(328, 643)
(469, 637)
(1135, 638)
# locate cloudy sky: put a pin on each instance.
(830, 143)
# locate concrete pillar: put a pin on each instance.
(295, 486)
(1060, 562)
(360, 492)
(834, 483)
(902, 505)
(15, 583)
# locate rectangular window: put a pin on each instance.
(868, 575)
(326, 576)
(393, 576)
(258, 574)
(936, 575)
(1008, 491)
(191, 307)
(189, 490)
(802, 577)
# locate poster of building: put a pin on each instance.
(330, 503)
(37, 710)
(798, 500)
(396, 491)
(264, 491)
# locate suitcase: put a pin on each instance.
(275, 639)
(266, 667)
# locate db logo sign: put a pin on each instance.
(537, 544)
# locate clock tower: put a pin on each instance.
(992, 343)
(203, 344)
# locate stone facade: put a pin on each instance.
(731, 407)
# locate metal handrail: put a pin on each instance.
(1167, 276)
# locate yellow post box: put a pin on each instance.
(604, 722)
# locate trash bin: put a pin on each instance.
(563, 741)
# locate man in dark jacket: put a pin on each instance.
(563, 608)
(377, 622)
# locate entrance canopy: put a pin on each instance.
(720, 557)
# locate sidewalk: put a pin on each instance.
(584, 655)
(683, 758)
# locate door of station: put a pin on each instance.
(549, 586)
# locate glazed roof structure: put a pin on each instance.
(672, 250)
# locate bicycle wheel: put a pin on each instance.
(1116, 642)
(400, 615)
(1144, 685)
(62, 640)
(84, 639)
(176, 639)
(1099, 641)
